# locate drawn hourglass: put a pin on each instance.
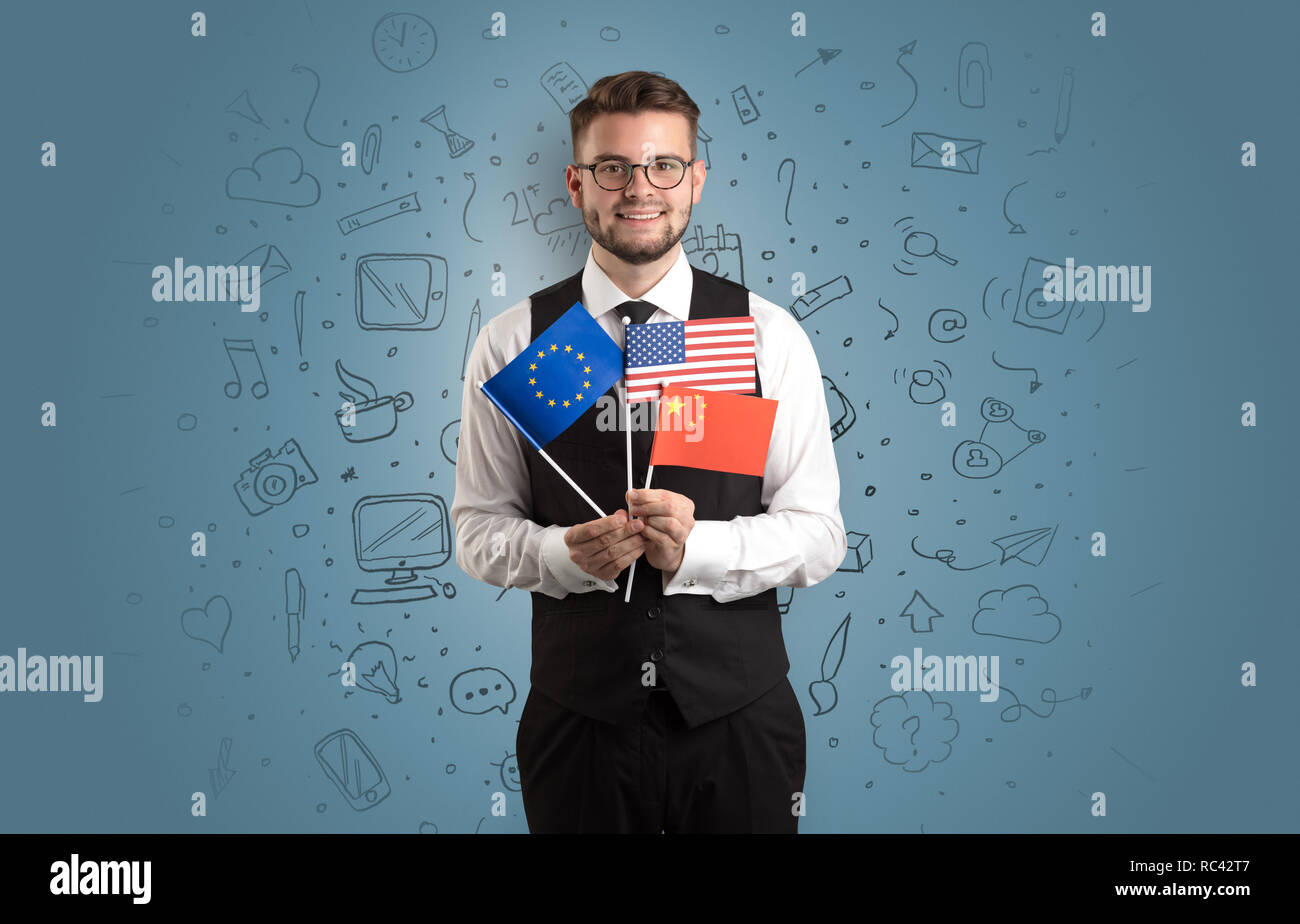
(457, 144)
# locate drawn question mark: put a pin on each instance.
(790, 189)
(711, 256)
(912, 739)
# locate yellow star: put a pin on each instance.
(541, 354)
(551, 403)
(554, 348)
(532, 366)
(568, 349)
(578, 396)
(539, 394)
(580, 357)
(532, 381)
(675, 404)
(587, 369)
(566, 403)
(586, 384)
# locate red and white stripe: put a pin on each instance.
(719, 357)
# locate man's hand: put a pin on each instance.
(669, 518)
(604, 547)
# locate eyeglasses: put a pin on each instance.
(614, 175)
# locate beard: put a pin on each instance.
(633, 247)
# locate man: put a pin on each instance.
(671, 712)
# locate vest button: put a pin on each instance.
(690, 582)
(658, 655)
(653, 613)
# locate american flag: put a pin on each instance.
(716, 354)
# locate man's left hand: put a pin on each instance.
(669, 518)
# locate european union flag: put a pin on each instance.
(548, 386)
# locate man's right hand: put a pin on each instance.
(604, 547)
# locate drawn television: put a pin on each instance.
(401, 534)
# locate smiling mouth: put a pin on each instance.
(640, 221)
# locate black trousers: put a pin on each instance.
(738, 773)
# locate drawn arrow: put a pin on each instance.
(824, 55)
(905, 50)
(1015, 228)
(889, 334)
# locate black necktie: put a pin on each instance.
(639, 312)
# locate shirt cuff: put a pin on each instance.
(555, 558)
(710, 550)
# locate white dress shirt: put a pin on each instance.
(799, 540)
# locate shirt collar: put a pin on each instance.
(672, 293)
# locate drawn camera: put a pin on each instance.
(270, 480)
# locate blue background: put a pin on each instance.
(1143, 437)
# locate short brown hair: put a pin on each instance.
(633, 92)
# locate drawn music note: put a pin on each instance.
(239, 352)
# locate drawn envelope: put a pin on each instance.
(939, 152)
(271, 261)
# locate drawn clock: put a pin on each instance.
(404, 42)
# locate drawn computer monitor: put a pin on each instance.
(401, 534)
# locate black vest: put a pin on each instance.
(589, 648)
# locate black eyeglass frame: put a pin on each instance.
(630, 171)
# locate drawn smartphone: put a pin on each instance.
(353, 769)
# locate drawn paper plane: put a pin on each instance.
(1029, 546)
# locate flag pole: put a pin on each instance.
(650, 470)
(561, 472)
(627, 413)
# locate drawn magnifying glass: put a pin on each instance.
(926, 245)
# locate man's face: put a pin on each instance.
(635, 138)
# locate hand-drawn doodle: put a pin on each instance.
(401, 291)
(509, 767)
(304, 69)
(1016, 227)
(480, 690)
(276, 177)
(744, 104)
(823, 691)
(840, 409)
(209, 624)
(450, 441)
(221, 775)
(941, 152)
(1063, 104)
(403, 42)
(1019, 612)
(918, 244)
(376, 213)
(369, 153)
(1034, 383)
(858, 554)
(353, 769)
(376, 669)
(368, 416)
(913, 730)
(944, 321)
(564, 84)
(271, 480)
(898, 62)
(973, 75)
(920, 613)
(244, 352)
(818, 298)
(980, 458)
(1029, 546)
(295, 609)
(824, 55)
(401, 534)
(457, 144)
(718, 253)
(925, 386)
(242, 105)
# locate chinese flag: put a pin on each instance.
(716, 430)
